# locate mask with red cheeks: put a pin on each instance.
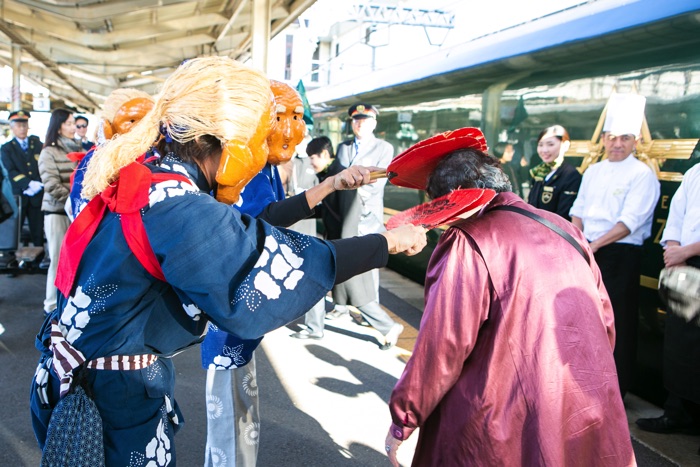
(290, 128)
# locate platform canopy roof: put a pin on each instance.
(81, 50)
(593, 39)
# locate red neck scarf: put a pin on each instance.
(127, 196)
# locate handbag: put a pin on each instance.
(679, 288)
(74, 436)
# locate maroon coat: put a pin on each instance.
(513, 364)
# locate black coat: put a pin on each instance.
(557, 194)
(334, 206)
(22, 167)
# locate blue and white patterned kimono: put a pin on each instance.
(263, 189)
(234, 271)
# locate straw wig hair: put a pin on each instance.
(119, 97)
(215, 96)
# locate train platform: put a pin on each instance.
(322, 402)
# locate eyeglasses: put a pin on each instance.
(81, 126)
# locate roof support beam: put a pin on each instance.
(16, 73)
(17, 38)
(261, 33)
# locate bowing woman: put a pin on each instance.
(153, 258)
(555, 181)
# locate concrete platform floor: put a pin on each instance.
(322, 402)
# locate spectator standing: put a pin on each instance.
(81, 128)
(365, 215)
(301, 178)
(505, 152)
(681, 364)
(555, 182)
(324, 165)
(614, 209)
(509, 367)
(20, 156)
(56, 170)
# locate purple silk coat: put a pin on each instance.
(513, 364)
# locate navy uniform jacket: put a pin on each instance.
(557, 194)
(22, 166)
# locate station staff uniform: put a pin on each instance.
(557, 191)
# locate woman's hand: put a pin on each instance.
(351, 178)
(391, 445)
(408, 239)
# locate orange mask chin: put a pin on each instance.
(290, 128)
(240, 162)
(129, 114)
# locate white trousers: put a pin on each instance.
(55, 227)
(233, 417)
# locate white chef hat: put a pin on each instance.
(625, 114)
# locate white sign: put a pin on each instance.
(41, 103)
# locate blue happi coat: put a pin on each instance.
(221, 350)
(238, 273)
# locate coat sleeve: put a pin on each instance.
(245, 275)
(640, 201)
(19, 180)
(676, 213)
(568, 193)
(51, 175)
(457, 304)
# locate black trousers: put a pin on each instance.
(620, 265)
(682, 355)
(35, 218)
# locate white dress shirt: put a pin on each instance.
(683, 224)
(626, 191)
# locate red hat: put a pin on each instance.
(412, 167)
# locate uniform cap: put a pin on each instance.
(19, 116)
(359, 111)
(625, 114)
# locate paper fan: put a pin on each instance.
(447, 209)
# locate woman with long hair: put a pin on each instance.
(555, 182)
(55, 169)
(153, 258)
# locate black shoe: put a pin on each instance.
(335, 314)
(45, 263)
(304, 334)
(664, 424)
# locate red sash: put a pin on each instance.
(127, 196)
